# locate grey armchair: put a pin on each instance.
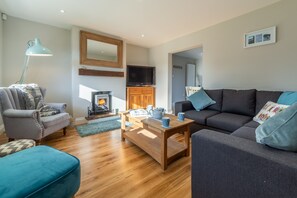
(20, 123)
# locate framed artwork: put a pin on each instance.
(260, 37)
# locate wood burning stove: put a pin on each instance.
(101, 102)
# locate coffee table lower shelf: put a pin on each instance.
(151, 144)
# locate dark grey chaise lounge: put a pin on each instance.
(235, 165)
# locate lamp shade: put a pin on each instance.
(36, 49)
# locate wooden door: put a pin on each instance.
(135, 101)
(147, 100)
(140, 97)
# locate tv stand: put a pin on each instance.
(140, 97)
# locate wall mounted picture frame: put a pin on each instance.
(260, 37)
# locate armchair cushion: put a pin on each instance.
(54, 119)
(60, 106)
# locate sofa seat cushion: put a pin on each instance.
(54, 119)
(246, 133)
(200, 116)
(239, 101)
(252, 124)
(228, 121)
(40, 171)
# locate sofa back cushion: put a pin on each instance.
(217, 96)
(262, 97)
(239, 101)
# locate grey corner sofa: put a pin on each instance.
(20, 123)
(231, 163)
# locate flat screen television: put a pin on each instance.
(140, 75)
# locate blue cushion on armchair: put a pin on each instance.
(280, 131)
(200, 100)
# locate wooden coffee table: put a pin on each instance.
(150, 136)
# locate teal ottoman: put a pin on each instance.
(40, 171)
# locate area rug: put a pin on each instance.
(99, 126)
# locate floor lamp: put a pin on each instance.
(34, 48)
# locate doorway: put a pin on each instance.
(186, 71)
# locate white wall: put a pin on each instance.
(59, 73)
(137, 55)
(226, 64)
(53, 73)
(82, 86)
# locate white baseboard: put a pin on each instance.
(1, 129)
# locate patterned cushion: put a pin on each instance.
(34, 99)
(269, 110)
(46, 110)
(15, 146)
(31, 94)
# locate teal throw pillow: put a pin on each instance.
(287, 98)
(280, 131)
(200, 100)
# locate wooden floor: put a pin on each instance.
(112, 168)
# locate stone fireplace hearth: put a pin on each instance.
(101, 102)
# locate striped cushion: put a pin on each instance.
(15, 146)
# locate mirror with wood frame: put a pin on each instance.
(98, 50)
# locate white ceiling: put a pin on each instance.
(159, 20)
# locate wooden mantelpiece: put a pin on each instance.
(91, 72)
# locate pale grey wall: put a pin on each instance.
(53, 73)
(226, 64)
(137, 55)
